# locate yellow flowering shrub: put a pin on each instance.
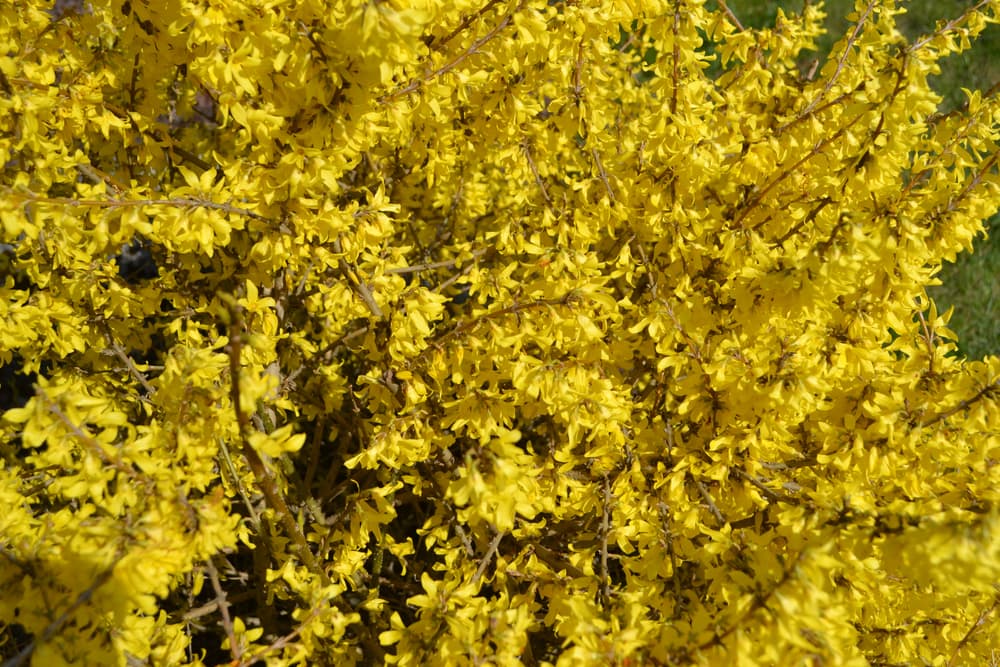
(489, 332)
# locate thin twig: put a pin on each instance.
(760, 601)
(538, 177)
(462, 327)
(265, 478)
(98, 176)
(933, 119)
(56, 626)
(963, 405)
(350, 274)
(675, 74)
(462, 535)
(238, 484)
(973, 182)
(956, 139)
(707, 497)
(578, 77)
(730, 15)
(490, 553)
(27, 568)
(281, 642)
(840, 63)
(211, 606)
(972, 630)
(463, 26)
(664, 512)
(466, 270)
(220, 597)
(605, 530)
(929, 338)
(165, 139)
(125, 203)
(127, 360)
(947, 27)
(452, 64)
(763, 191)
(770, 494)
(417, 268)
(604, 175)
(93, 445)
(314, 451)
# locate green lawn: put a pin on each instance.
(972, 283)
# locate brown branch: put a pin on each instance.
(675, 57)
(973, 182)
(238, 485)
(335, 345)
(578, 77)
(759, 196)
(664, 512)
(281, 642)
(605, 530)
(972, 630)
(462, 535)
(98, 176)
(933, 119)
(220, 597)
(773, 496)
(360, 288)
(448, 264)
(314, 451)
(265, 478)
(965, 404)
(455, 62)
(732, 17)
(213, 605)
(127, 360)
(125, 203)
(946, 150)
(947, 27)
(93, 445)
(693, 345)
(813, 66)
(27, 568)
(466, 270)
(840, 63)
(464, 326)
(350, 274)
(929, 338)
(266, 481)
(707, 497)
(628, 42)
(538, 177)
(486, 559)
(650, 273)
(56, 626)
(790, 465)
(167, 140)
(807, 220)
(604, 175)
(464, 25)
(759, 602)
(821, 108)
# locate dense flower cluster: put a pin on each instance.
(486, 331)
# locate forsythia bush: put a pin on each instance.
(489, 332)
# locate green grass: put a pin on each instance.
(972, 283)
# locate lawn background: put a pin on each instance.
(972, 283)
